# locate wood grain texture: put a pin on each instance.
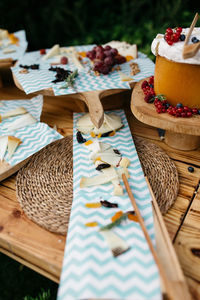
(43, 251)
(181, 133)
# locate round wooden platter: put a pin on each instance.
(181, 133)
(91, 98)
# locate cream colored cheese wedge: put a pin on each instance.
(111, 122)
(22, 121)
(96, 180)
(14, 112)
(8, 50)
(115, 243)
(55, 50)
(124, 77)
(13, 143)
(3, 146)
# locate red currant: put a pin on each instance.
(179, 29)
(170, 43)
(144, 84)
(169, 31)
(189, 114)
(42, 51)
(194, 111)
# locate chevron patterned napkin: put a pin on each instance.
(19, 50)
(89, 270)
(37, 80)
(34, 137)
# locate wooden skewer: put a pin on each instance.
(148, 239)
(191, 28)
(190, 50)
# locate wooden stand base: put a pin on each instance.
(181, 133)
(182, 141)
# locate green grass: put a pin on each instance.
(18, 282)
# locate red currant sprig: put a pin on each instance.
(172, 35)
(161, 104)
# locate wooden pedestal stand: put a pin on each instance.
(181, 133)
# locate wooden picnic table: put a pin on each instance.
(42, 251)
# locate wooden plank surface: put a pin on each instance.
(43, 251)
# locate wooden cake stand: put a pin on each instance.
(181, 133)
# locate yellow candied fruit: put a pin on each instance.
(93, 205)
(98, 158)
(91, 224)
(99, 135)
(92, 134)
(83, 53)
(132, 217)
(117, 216)
(112, 133)
(129, 57)
(88, 143)
(13, 38)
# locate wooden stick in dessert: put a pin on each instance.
(163, 276)
(190, 50)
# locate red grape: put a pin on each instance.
(114, 51)
(108, 47)
(100, 55)
(109, 61)
(64, 60)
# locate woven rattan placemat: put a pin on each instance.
(45, 184)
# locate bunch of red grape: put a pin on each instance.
(104, 58)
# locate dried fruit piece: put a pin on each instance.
(42, 51)
(80, 138)
(117, 215)
(129, 57)
(102, 166)
(91, 224)
(93, 205)
(89, 142)
(92, 134)
(133, 217)
(106, 203)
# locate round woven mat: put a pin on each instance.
(45, 184)
(160, 171)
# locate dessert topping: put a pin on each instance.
(161, 103)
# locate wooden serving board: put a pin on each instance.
(181, 133)
(91, 98)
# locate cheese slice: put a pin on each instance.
(124, 77)
(115, 243)
(13, 143)
(97, 180)
(8, 50)
(4, 34)
(21, 122)
(55, 50)
(3, 146)
(14, 112)
(111, 122)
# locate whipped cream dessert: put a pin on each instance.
(174, 52)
